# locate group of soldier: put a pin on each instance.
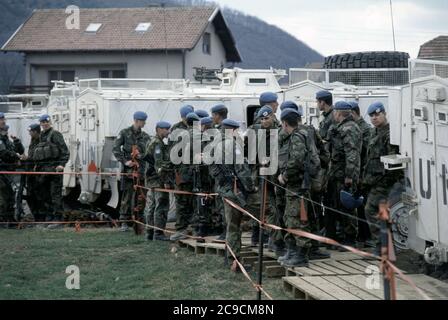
(329, 180)
(43, 163)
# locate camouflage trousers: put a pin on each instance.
(6, 200)
(184, 207)
(376, 195)
(156, 210)
(34, 198)
(132, 201)
(293, 220)
(272, 214)
(234, 219)
(202, 213)
(348, 225)
(218, 217)
(53, 204)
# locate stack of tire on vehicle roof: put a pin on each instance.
(367, 60)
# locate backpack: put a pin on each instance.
(312, 168)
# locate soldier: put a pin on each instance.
(345, 166)
(9, 158)
(268, 122)
(158, 175)
(315, 193)
(131, 140)
(33, 195)
(363, 228)
(291, 176)
(324, 101)
(182, 124)
(376, 180)
(268, 99)
(234, 183)
(219, 113)
(51, 155)
(184, 182)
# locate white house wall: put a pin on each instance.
(196, 57)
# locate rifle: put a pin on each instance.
(18, 212)
(200, 201)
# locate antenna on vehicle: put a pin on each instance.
(163, 5)
(393, 28)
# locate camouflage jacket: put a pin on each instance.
(56, 138)
(227, 174)
(365, 131)
(157, 157)
(8, 152)
(293, 168)
(326, 122)
(379, 145)
(346, 143)
(122, 150)
(266, 140)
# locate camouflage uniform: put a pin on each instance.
(272, 216)
(363, 228)
(346, 143)
(8, 160)
(122, 150)
(158, 174)
(234, 183)
(293, 172)
(34, 197)
(47, 161)
(376, 179)
(184, 182)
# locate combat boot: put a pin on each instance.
(222, 236)
(317, 254)
(160, 236)
(179, 235)
(298, 259)
(124, 227)
(149, 234)
(56, 218)
(279, 249)
(289, 249)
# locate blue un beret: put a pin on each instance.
(193, 116)
(163, 125)
(2, 115)
(265, 111)
(218, 108)
(376, 107)
(202, 113)
(206, 121)
(140, 115)
(44, 117)
(289, 105)
(354, 104)
(268, 97)
(231, 123)
(34, 127)
(342, 105)
(287, 112)
(323, 94)
(185, 110)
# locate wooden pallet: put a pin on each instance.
(207, 247)
(354, 287)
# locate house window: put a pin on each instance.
(206, 43)
(64, 75)
(93, 27)
(117, 74)
(143, 27)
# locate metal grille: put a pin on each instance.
(426, 68)
(357, 77)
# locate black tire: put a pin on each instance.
(367, 60)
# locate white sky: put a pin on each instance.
(336, 26)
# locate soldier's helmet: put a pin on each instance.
(349, 201)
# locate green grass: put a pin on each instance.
(114, 265)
